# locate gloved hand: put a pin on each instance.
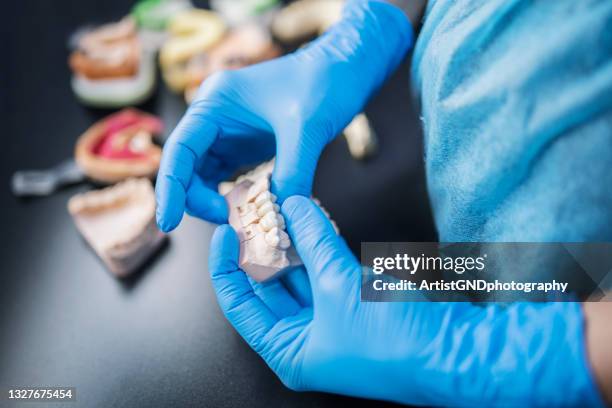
(292, 106)
(416, 353)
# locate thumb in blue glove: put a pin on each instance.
(416, 353)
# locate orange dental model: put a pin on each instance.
(110, 66)
(111, 51)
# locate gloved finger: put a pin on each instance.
(187, 145)
(205, 203)
(276, 297)
(244, 310)
(295, 164)
(326, 256)
(297, 283)
(213, 169)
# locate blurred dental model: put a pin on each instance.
(244, 45)
(118, 222)
(110, 66)
(120, 146)
(192, 32)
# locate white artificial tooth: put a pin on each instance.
(284, 243)
(280, 220)
(260, 186)
(272, 237)
(265, 208)
(283, 235)
(284, 240)
(269, 221)
(263, 197)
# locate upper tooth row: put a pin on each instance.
(260, 186)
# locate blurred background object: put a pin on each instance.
(304, 19)
(113, 149)
(238, 12)
(192, 32)
(118, 222)
(159, 334)
(120, 146)
(244, 45)
(111, 67)
(360, 137)
(155, 14)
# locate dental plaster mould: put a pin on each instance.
(118, 222)
(110, 66)
(266, 251)
(192, 32)
(304, 19)
(244, 45)
(152, 18)
(119, 147)
(238, 12)
(360, 137)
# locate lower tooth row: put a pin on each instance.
(277, 238)
(267, 207)
(271, 222)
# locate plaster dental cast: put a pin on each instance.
(517, 116)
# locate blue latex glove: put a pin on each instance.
(517, 113)
(416, 353)
(292, 106)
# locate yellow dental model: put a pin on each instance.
(191, 32)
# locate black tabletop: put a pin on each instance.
(159, 338)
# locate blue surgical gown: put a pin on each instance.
(516, 100)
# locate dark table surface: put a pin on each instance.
(158, 339)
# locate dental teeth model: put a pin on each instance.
(115, 148)
(192, 32)
(265, 248)
(118, 222)
(120, 146)
(360, 136)
(266, 251)
(242, 46)
(111, 68)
